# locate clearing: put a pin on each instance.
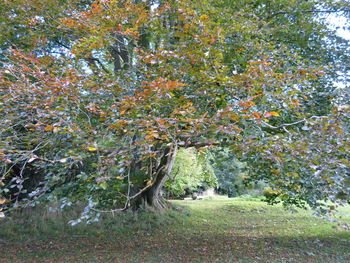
(216, 230)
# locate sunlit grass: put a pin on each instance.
(211, 230)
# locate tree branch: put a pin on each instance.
(292, 123)
(308, 11)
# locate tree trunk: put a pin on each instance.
(152, 197)
(120, 53)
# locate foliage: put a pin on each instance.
(96, 98)
(228, 170)
(231, 174)
(303, 167)
(191, 173)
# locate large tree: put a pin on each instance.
(98, 96)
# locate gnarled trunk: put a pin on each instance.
(152, 197)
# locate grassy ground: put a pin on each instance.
(218, 230)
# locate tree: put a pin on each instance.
(135, 81)
(191, 173)
(229, 171)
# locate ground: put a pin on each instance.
(217, 230)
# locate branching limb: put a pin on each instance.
(283, 126)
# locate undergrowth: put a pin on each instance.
(41, 223)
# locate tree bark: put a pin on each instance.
(120, 53)
(152, 197)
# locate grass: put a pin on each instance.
(217, 230)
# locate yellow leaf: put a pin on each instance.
(273, 113)
(270, 114)
(92, 149)
(204, 17)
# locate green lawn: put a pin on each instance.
(218, 230)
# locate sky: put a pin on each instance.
(340, 24)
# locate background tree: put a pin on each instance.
(191, 173)
(229, 172)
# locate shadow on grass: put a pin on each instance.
(163, 246)
(236, 233)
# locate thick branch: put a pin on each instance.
(94, 62)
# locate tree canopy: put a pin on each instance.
(97, 97)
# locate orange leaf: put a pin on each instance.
(212, 41)
(256, 115)
(49, 128)
(151, 136)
